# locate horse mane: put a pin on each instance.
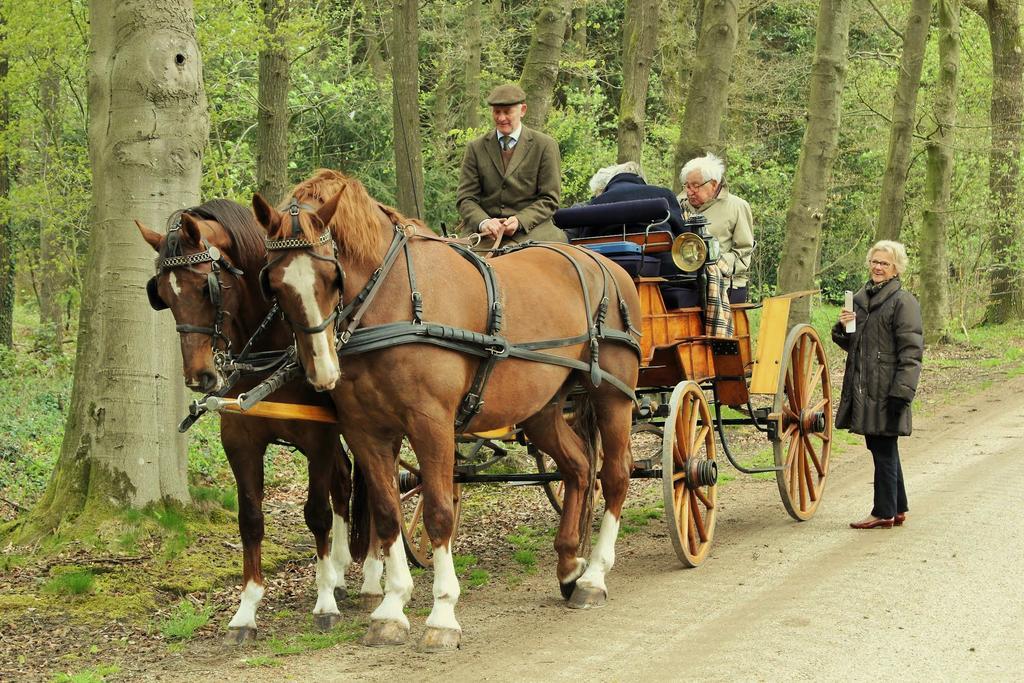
(236, 219)
(359, 223)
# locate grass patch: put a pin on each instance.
(344, 632)
(526, 559)
(478, 578)
(74, 582)
(464, 562)
(96, 674)
(263, 660)
(185, 621)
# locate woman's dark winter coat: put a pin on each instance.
(883, 362)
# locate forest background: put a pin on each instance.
(289, 87)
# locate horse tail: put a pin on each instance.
(585, 424)
(359, 535)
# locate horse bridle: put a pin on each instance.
(299, 241)
(211, 255)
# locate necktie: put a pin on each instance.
(506, 142)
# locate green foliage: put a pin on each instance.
(97, 674)
(73, 582)
(185, 620)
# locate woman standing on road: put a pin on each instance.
(883, 365)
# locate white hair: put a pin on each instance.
(601, 179)
(710, 167)
(896, 249)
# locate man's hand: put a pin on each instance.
(510, 225)
(492, 227)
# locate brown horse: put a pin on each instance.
(417, 389)
(208, 273)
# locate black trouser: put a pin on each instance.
(890, 495)
(738, 295)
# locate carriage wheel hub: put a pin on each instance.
(812, 422)
(701, 472)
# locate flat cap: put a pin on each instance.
(503, 95)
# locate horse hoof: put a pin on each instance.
(240, 635)
(587, 597)
(440, 639)
(325, 622)
(384, 633)
(369, 601)
(568, 589)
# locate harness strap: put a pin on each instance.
(362, 301)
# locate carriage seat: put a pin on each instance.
(646, 229)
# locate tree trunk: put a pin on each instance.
(51, 277)
(894, 180)
(372, 31)
(405, 108)
(474, 47)
(540, 71)
(818, 152)
(272, 119)
(639, 40)
(148, 127)
(934, 265)
(707, 97)
(1006, 301)
(676, 57)
(7, 252)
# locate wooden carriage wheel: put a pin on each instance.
(804, 440)
(414, 533)
(690, 474)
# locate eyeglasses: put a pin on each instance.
(880, 264)
(694, 188)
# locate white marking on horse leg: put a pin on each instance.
(446, 591)
(326, 579)
(373, 572)
(300, 276)
(581, 566)
(398, 587)
(602, 558)
(340, 555)
(246, 614)
(175, 287)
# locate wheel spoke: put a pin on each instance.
(698, 520)
(814, 457)
(809, 479)
(691, 533)
(414, 491)
(799, 464)
(699, 492)
(701, 436)
(812, 381)
(678, 476)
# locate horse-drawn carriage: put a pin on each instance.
(576, 364)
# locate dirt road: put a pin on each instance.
(939, 598)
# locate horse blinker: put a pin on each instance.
(157, 303)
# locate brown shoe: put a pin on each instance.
(899, 519)
(872, 523)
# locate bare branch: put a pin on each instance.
(884, 19)
(977, 6)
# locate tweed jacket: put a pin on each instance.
(883, 361)
(529, 188)
(730, 220)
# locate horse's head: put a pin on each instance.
(196, 280)
(304, 273)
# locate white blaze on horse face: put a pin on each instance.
(300, 276)
(399, 587)
(446, 591)
(246, 614)
(340, 555)
(175, 287)
(603, 556)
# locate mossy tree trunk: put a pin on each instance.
(1006, 299)
(894, 180)
(273, 117)
(148, 127)
(7, 251)
(540, 71)
(707, 96)
(807, 203)
(474, 48)
(676, 56)
(934, 264)
(405, 109)
(639, 40)
(51, 276)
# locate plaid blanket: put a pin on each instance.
(718, 313)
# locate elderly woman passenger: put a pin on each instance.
(883, 364)
(729, 219)
(625, 182)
